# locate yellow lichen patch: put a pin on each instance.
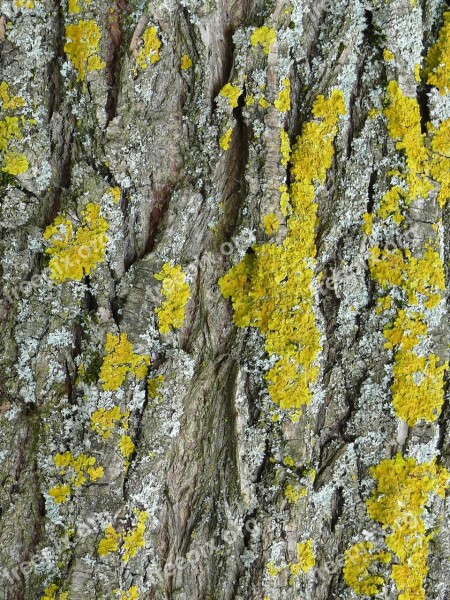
(271, 289)
(74, 7)
(103, 420)
(110, 541)
(79, 468)
(131, 594)
(8, 102)
(120, 360)
(249, 100)
(148, 53)
(367, 223)
(176, 291)
(74, 256)
(115, 193)
(271, 223)
(14, 163)
(293, 494)
(406, 331)
(418, 388)
(285, 148)
(388, 55)
(186, 62)
(29, 4)
(359, 561)
(225, 139)
(232, 93)
(305, 558)
(273, 570)
(437, 71)
(264, 37)
(60, 493)
(134, 539)
(126, 446)
(130, 542)
(154, 385)
(398, 503)
(51, 593)
(83, 39)
(283, 100)
(11, 161)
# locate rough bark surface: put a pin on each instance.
(207, 465)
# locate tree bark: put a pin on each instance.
(213, 454)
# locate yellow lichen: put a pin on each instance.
(148, 53)
(83, 39)
(232, 93)
(437, 71)
(305, 558)
(285, 147)
(115, 193)
(129, 542)
(264, 37)
(126, 446)
(225, 139)
(134, 539)
(131, 594)
(109, 542)
(74, 256)
(176, 291)
(398, 504)
(154, 385)
(51, 593)
(388, 55)
(283, 100)
(358, 560)
(120, 360)
(74, 7)
(79, 468)
(271, 289)
(11, 161)
(103, 420)
(293, 494)
(60, 493)
(263, 102)
(271, 223)
(186, 62)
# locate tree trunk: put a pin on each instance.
(201, 484)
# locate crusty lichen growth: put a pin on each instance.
(79, 469)
(359, 563)
(305, 558)
(131, 594)
(104, 420)
(129, 542)
(417, 389)
(225, 139)
(11, 161)
(120, 360)
(148, 53)
(264, 37)
(81, 47)
(176, 291)
(74, 256)
(404, 488)
(283, 100)
(437, 71)
(52, 593)
(186, 62)
(285, 148)
(232, 93)
(271, 289)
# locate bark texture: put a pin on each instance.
(213, 455)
